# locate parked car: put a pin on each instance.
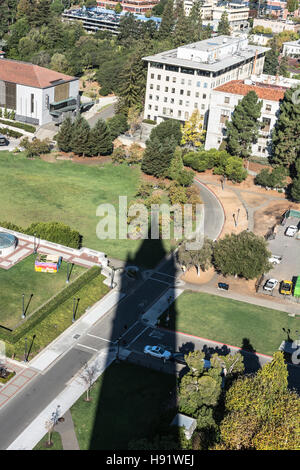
(270, 284)
(291, 230)
(286, 287)
(3, 140)
(275, 259)
(179, 357)
(158, 351)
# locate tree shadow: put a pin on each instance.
(251, 359)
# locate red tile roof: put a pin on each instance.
(27, 74)
(263, 91)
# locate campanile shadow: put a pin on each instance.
(137, 398)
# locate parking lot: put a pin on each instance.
(289, 249)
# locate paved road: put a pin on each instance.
(106, 113)
(213, 212)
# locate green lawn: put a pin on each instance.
(22, 278)
(58, 320)
(56, 439)
(232, 322)
(35, 190)
(127, 403)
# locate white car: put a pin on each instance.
(275, 259)
(270, 284)
(157, 351)
(291, 231)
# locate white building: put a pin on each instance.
(181, 80)
(225, 97)
(211, 12)
(36, 94)
(291, 48)
(277, 26)
(260, 39)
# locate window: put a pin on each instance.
(179, 113)
(205, 85)
(204, 96)
(166, 89)
(149, 106)
(227, 99)
(196, 105)
(187, 103)
(164, 110)
(157, 98)
(172, 101)
(174, 79)
(181, 92)
(188, 93)
(266, 124)
(156, 108)
(180, 102)
(173, 90)
(151, 86)
(198, 84)
(182, 81)
(189, 82)
(165, 99)
(158, 87)
(202, 106)
(186, 115)
(152, 75)
(167, 78)
(268, 107)
(32, 103)
(224, 116)
(150, 97)
(197, 94)
(158, 77)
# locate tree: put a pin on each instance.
(261, 413)
(283, 66)
(242, 130)
(200, 259)
(234, 170)
(271, 62)
(100, 141)
(134, 118)
(224, 26)
(166, 130)
(89, 375)
(286, 133)
(244, 254)
(64, 135)
(176, 166)
(192, 131)
(295, 189)
(292, 5)
(157, 156)
(167, 21)
(80, 136)
(118, 8)
(59, 62)
(117, 125)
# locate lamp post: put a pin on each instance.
(74, 308)
(67, 281)
(237, 217)
(34, 244)
(23, 308)
(25, 352)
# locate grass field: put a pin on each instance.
(55, 438)
(35, 190)
(127, 402)
(232, 322)
(58, 320)
(22, 278)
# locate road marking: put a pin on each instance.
(99, 337)
(88, 347)
(159, 280)
(140, 334)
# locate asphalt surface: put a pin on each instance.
(106, 113)
(213, 212)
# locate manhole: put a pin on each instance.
(76, 336)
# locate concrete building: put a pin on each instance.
(36, 94)
(212, 10)
(278, 8)
(277, 26)
(225, 97)
(260, 39)
(133, 6)
(291, 48)
(181, 80)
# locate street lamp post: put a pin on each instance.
(25, 355)
(34, 244)
(23, 307)
(67, 281)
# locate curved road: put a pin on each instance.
(214, 216)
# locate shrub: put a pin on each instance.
(185, 178)
(117, 125)
(119, 155)
(10, 132)
(149, 121)
(11, 226)
(274, 179)
(19, 125)
(104, 91)
(55, 232)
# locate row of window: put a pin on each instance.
(187, 104)
(188, 93)
(182, 80)
(267, 108)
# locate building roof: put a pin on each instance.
(27, 74)
(183, 420)
(263, 91)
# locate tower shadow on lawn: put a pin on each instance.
(135, 399)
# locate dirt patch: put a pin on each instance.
(236, 284)
(192, 277)
(266, 217)
(254, 200)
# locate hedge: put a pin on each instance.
(48, 307)
(19, 125)
(10, 376)
(10, 132)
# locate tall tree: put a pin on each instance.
(286, 133)
(100, 141)
(283, 66)
(242, 130)
(80, 136)
(224, 26)
(167, 21)
(157, 156)
(271, 62)
(200, 259)
(64, 135)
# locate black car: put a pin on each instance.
(3, 140)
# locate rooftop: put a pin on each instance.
(27, 74)
(211, 54)
(263, 90)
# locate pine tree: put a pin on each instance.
(224, 26)
(157, 156)
(295, 190)
(176, 166)
(100, 141)
(167, 21)
(283, 66)
(286, 133)
(133, 81)
(183, 32)
(242, 130)
(271, 62)
(80, 137)
(64, 135)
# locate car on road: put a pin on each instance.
(286, 287)
(3, 140)
(275, 259)
(158, 351)
(291, 230)
(270, 284)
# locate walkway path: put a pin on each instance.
(67, 433)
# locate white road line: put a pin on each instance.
(164, 274)
(99, 337)
(159, 280)
(88, 347)
(140, 334)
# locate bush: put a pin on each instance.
(185, 178)
(149, 121)
(11, 226)
(119, 155)
(55, 232)
(35, 148)
(117, 125)
(10, 132)
(274, 179)
(104, 91)
(19, 125)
